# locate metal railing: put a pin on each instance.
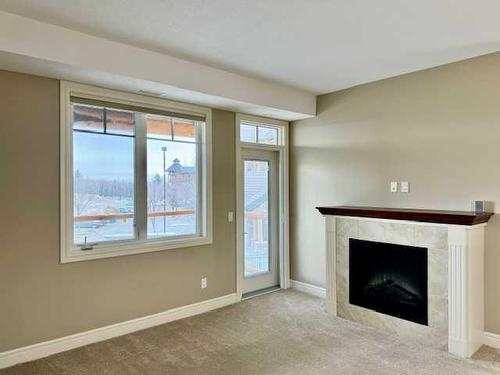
(256, 263)
(126, 216)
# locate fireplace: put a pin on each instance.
(451, 272)
(389, 278)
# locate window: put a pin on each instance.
(103, 175)
(172, 176)
(262, 134)
(135, 174)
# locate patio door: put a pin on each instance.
(260, 219)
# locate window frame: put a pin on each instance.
(140, 244)
(266, 124)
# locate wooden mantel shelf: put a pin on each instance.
(410, 214)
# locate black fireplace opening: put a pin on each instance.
(389, 278)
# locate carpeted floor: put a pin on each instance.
(488, 357)
(285, 332)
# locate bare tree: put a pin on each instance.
(81, 202)
(181, 190)
(155, 196)
(82, 199)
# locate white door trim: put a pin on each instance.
(271, 278)
(284, 225)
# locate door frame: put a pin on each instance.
(283, 192)
(270, 278)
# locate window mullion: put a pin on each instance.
(141, 208)
(199, 181)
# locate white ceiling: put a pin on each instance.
(315, 45)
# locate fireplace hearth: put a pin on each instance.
(389, 278)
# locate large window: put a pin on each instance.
(135, 174)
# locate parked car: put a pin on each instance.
(89, 224)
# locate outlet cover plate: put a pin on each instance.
(405, 187)
(394, 186)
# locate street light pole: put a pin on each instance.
(164, 149)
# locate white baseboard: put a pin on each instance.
(491, 339)
(44, 349)
(308, 288)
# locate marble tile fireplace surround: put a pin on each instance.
(453, 245)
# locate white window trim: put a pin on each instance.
(284, 192)
(263, 123)
(69, 252)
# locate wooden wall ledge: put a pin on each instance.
(410, 214)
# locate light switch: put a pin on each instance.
(394, 186)
(230, 216)
(405, 186)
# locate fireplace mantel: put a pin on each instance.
(462, 241)
(410, 214)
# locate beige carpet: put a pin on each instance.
(488, 357)
(278, 333)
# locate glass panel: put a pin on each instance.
(88, 118)
(103, 192)
(268, 136)
(256, 223)
(171, 188)
(248, 133)
(120, 122)
(184, 130)
(159, 126)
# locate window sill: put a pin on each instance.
(109, 251)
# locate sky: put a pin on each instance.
(106, 156)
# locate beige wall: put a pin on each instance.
(41, 299)
(439, 129)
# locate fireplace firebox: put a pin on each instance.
(389, 278)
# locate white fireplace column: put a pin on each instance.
(465, 289)
(331, 265)
(465, 280)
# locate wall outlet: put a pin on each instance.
(394, 186)
(405, 187)
(203, 282)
